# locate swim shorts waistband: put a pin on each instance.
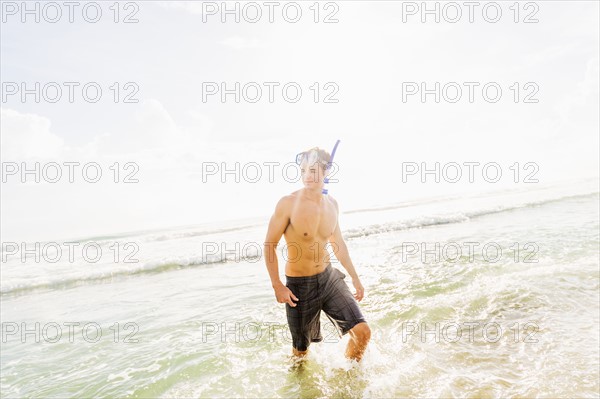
(314, 277)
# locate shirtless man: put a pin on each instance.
(308, 220)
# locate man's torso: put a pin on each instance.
(307, 234)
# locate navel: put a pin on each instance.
(305, 234)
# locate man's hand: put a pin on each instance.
(285, 295)
(360, 290)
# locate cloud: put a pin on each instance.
(28, 136)
(585, 95)
(240, 43)
(189, 6)
(151, 135)
(154, 138)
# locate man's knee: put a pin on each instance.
(361, 332)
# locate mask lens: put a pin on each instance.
(312, 157)
(309, 157)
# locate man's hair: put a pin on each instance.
(323, 156)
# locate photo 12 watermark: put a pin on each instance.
(271, 92)
(468, 331)
(469, 252)
(69, 332)
(70, 252)
(252, 12)
(256, 332)
(469, 171)
(52, 12)
(69, 172)
(254, 172)
(69, 92)
(453, 12)
(469, 92)
(250, 251)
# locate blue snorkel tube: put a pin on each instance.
(326, 180)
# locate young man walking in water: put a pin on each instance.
(308, 220)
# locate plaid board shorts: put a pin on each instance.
(325, 291)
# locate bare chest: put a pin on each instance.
(312, 221)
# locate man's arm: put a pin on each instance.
(340, 249)
(277, 225)
(341, 252)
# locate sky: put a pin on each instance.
(166, 131)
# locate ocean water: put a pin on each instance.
(488, 295)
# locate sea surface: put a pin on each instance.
(487, 295)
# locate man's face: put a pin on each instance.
(312, 174)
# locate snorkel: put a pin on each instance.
(326, 180)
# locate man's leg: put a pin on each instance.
(343, 310)
(360, 335)
(298, 353)
(304, 323)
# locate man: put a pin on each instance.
(309, 220)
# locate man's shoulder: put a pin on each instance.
(333, 200)
(286, 201)
(291, 197)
